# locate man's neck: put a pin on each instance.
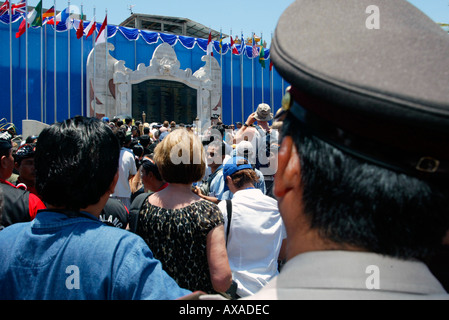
(214, 167)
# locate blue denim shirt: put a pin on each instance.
(59, 257)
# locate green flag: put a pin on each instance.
(36, 16)
(262, 54)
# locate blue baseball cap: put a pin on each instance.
(234, 165)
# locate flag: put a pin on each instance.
(36, 16)
(221, 42)
(210, 45)
(62, 17)
(34, 19)
(101, 37)
(262, 54)
(4, 8)
(233, 47)
(80, 28)
(48, 15)
(271, 65)
(242, 45)
(255, 51)
(90, 28)
(20, 7)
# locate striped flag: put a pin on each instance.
(262, 54)
(221, 42)
(47, 15)
(234, 48)
(80, 28)
(89, 30)
(255, 51)
(102, 34)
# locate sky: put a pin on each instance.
(259, 16)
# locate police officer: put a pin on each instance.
(363, 171)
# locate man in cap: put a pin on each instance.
(263, 139)
(363, 172)
(24, 164)
(19, 205)
(254, 228)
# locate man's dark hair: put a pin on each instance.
(76, 161)
(149, 166)
(353, 202)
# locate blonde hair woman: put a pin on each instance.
(184, 231)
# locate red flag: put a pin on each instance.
(271, 64)
(90, 28)
(80, 30)
(101, 37)
(234, 48)
(210, 45)
(22, 28)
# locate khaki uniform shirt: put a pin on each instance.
(341, 275)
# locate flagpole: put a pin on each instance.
(232, 87)
(55, 66)
(261, 43)
(95, 66)
(68, 59)
(242, 48)
(26, 59)
(45, 74)
(272, 80)
(42, 72)
(106, 66)
(82, 64)
(252, 71)
(221, 67)
(10, 64)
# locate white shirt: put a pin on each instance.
(127, 167)
(255, 239)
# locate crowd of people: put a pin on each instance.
(172, 206)
(315, 202)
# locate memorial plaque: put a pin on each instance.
(164, 100)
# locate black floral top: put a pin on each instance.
(177, 237)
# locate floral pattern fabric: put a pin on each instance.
(178, 237)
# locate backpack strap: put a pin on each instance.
(134, 210)
(229, 210)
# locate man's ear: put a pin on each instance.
(2, 161)
(113, 183)
(230, 184)
(288, 174)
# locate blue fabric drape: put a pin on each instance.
(134, 47)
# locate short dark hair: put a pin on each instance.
(150, 166)
(76, 161)
(350, 201)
